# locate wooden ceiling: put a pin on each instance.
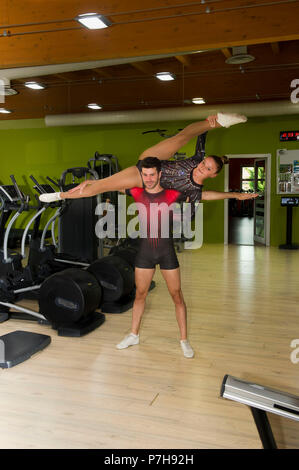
(35, 33)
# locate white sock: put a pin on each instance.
(129, 340)
(50, 197)
(186, 348)
(229, 119)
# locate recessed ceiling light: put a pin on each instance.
(34, 85)
(94, 106)
(165, 76)
(93, 21)
(10, 91)
(198, 101)
(5, 111)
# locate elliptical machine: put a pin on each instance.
(105, 165)
(44, 259)
(16, 281)
(76, 294)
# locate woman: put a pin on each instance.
(186, 175)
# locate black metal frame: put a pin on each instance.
(264, 428)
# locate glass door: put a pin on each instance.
(259, 202)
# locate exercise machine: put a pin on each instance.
(261, 400)
(77, 220)
(44, 259)
(106, 165)
(17, 281)
(18, 346)
(289, 203)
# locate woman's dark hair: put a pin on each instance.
(220, 161)
(151, 162)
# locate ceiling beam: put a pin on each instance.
(275, 48)
(184, 59)
(102, 73)
(226, 52)
(144, 67)
(160, 31)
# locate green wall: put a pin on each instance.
(28, 147)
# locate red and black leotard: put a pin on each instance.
(155, 216)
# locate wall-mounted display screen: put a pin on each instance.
(286, 136)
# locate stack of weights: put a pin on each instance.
(68, 300)
(127, 250)
(115, 274)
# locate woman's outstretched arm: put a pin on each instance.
(216, 196)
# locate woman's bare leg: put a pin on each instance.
(164, 150)
(130, 177)
(127, 178)
(168, 147)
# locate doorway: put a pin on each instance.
(248, 222)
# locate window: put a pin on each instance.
(247, 179)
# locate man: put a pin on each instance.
(156, 248)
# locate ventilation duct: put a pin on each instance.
(270, 108)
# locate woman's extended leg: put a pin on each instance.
(168, 147)
(127, 178)
(130, 177)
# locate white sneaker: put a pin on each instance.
(50, 197)
(186, 348)
(229, 119)
(129, 340)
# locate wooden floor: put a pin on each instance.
(84, 393)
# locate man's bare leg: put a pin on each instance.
(173, 281)
(143, 278)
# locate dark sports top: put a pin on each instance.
(178, 174)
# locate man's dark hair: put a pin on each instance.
(151, 162)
